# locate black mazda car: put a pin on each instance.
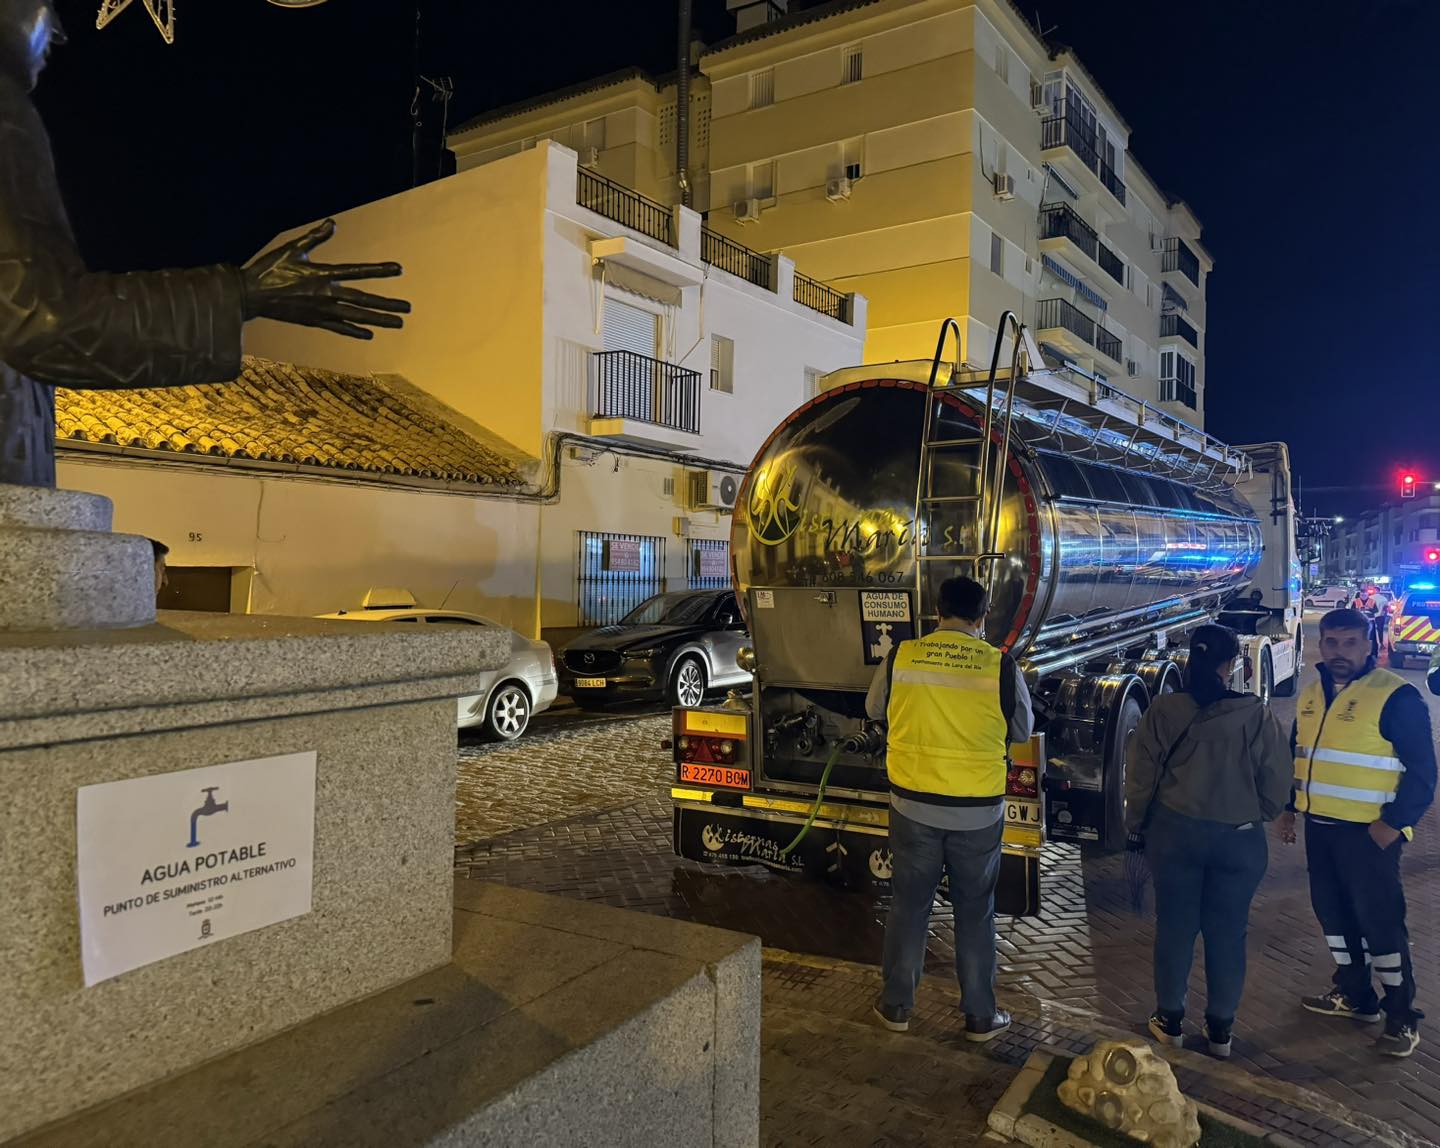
(672, 646)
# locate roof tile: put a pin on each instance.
(280, 411)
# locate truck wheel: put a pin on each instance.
(1116, 761)
(1291, 685)
(1267, 677)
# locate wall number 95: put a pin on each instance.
(197, 536)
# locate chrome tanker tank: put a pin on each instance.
(1099, 535)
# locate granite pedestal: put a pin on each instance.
(76, 708)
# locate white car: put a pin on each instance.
(507, 698)
(1328, 598)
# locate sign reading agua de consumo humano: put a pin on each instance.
(175, 861)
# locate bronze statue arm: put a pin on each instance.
(64, 325)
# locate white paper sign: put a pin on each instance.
(764, 599)
(172, 862)
(884, 606)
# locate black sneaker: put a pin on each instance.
(893, 1017)
(1218, 1036)
(1167, 1027)
(983, 1028)
(1399, 1039)
(1336, 1003)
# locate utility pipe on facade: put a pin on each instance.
(682, 107)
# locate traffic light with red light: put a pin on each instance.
(1407, 485)
(1432, 555)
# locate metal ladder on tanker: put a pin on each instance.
(990, 487)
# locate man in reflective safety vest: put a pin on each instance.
(1364, 776)
(953, 703)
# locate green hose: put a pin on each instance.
(819, 798)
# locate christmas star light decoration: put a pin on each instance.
(162, 12)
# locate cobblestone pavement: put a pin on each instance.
(585, 813)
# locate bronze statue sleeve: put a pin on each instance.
(64, 325)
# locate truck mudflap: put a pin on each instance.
(848, 844)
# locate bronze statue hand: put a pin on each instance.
(283, 284)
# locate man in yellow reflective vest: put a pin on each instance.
(953, 703)
(1364, 776)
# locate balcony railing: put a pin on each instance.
(1179, 257)
(1059, 221)
(1174, 325)
(618, 202)
(1112, 265)
(627, 385)
(1068, 128)
(735, 258)
(1174, 391)
(818, 297)
(1051, 314)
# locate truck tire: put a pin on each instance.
(1267, 677)
(1127, 717)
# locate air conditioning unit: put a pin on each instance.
(1004, 185)
(837, 189)
(713, 490)
(589, 156)
(747, 210)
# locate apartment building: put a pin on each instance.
(1395, 541)
(935, 156)
(556, 434)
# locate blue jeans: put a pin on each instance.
(921, 855)
(1206, 874)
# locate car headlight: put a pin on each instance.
(643, 655)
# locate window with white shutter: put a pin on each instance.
(762, 88)
(852, 67)
(722, 364)
(630, 328)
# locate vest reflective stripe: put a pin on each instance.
(1339, 757)
(1344, 769)
(947, 733)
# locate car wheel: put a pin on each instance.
(509, 712)
(1309, 603)
(687, 683)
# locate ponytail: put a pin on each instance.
(1211, 647)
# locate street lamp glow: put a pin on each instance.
(1338, 518)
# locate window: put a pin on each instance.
(630, 328)
(1150, 295)
(812, 381)
(997, 253)
(594, 135)
(762, 180)
(1002, 62)
(762, 88)
(722, 364)
(1177, 379)
(850, 157)
(852, 66)
(451, 620)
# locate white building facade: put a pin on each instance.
(589, 337)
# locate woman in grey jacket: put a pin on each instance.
(1206, 769)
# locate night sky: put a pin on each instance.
(1301, 133)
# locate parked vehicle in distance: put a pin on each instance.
(1328, 598)
(505, 699)
(1415, 626)
(672, 646)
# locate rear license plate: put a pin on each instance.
(721, 775)
(590, 683)
(1022, 811)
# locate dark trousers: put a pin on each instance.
(1357, 895)
(1206, 874)
(921, 856)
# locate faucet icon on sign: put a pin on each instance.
(210, 806)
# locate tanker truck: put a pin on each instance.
(1105, 530)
